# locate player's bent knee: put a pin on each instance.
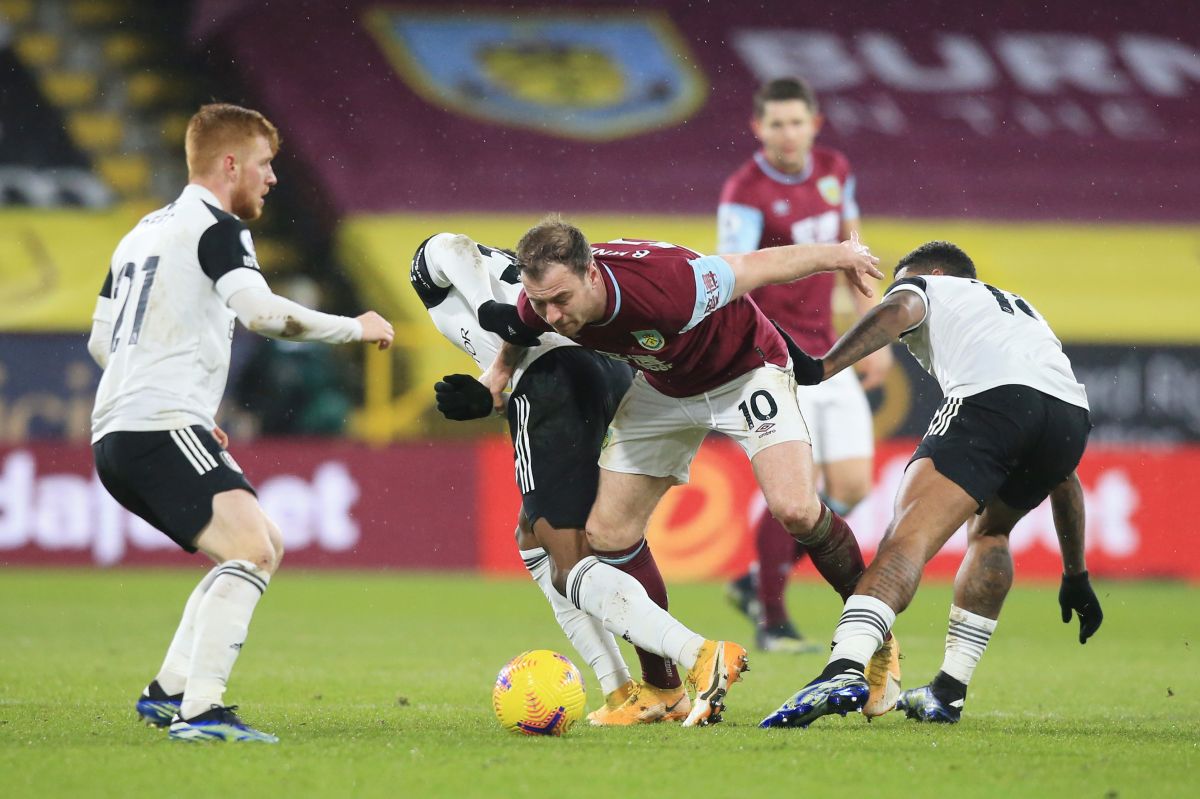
(275, 535)
(260, 556)
(798, 516)
(607, 539)
(524, 533)
(558, 578)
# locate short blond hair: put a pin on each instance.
(218, 127)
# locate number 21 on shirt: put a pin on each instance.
(144, 276)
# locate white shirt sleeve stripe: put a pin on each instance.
(915, 290)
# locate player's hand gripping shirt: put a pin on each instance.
(975, 337)
(668, 314)
(763, 207)
(454, 276)
(168, 288)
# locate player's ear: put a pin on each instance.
(818, 122)
(756, 127)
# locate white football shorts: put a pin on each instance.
(658, 435)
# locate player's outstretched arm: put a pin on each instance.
(1075, 593)
(375, 329)
(784, 264)
(268, 314)
(900, 311)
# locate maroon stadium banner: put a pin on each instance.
(453, 506)
(1020, 111)
(339, 505)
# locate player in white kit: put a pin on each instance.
(1010, 432)
(161, 332)
(563, 399)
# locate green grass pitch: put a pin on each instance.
(379, 685)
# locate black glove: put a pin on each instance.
(503, 320)
(462, 397)
(1076, 594)
(808, 370)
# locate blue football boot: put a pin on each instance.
(922, 705)
(217, 724)
(841, 694)
(156, 707)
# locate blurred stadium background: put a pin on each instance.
(1059, 148)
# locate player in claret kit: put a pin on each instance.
(708, 360)
(1010, 432)
(563, 397)
(161, 331)
(794, 191)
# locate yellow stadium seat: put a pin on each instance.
(128, 175)
(17, 12)
(97, 12)
(69, 89)
(96, 131)
(146, 89)
(174, 127)
(38, 49)
(124, 49)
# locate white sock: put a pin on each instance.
(172, 676)
(623, 606)
(594, 644)
(966, 638)
(222, 618)
(865, 622)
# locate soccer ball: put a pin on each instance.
(539, 693)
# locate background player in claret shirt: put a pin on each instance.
(161, 332)
(1010, 432)
(563, 398)
(709, 360)
(796, 192)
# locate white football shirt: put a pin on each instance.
(168, 284)
(454, 276)
(975, 337)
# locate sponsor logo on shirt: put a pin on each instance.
(831, 189)
(648, 363)
(650, 339)
(781, 207)
(711, 294)
(250, 259)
